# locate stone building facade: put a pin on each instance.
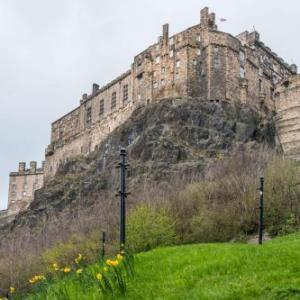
(287, 96)
(22, 185)
(200, 61)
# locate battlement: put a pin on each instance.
(32, 170)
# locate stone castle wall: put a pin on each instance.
(288, 116)
(22, 185)
(200, 61)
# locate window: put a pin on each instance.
(101, 109)
(242, 56)
(272, 93)
(260, 86)
(140, 76)
(154, 73)
(176, 76)
(163, 70)
(163, 82)
(172, 53)
(157, 59)
(155, 85)
(177, 63)
(125, 92)
(61, 133)
(216, 58)
(113, 100)
(198, 51)
(199, 38)
(242, 72)
(216, 62)
(260, 71)
(88, 115)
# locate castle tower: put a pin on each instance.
(287, 97)
(22, 185)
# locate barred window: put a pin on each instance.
(101, 108)
(217, 62)
(125, 92)
(113, 100)
(89, 115)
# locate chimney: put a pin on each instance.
(84, 97)
(253, 37)
(95, 88)
(204, 17)
(212, 21)
(33, 167)
(166, 33)
(22, 167)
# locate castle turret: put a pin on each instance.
(22, 167)
(33, 167)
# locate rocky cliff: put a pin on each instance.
(174, 137)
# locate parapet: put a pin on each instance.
(33, 170)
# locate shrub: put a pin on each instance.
(148, 228)
(64, 253)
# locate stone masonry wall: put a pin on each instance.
(288, 116)
(22, 185)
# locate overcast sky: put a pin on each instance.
(52, 51)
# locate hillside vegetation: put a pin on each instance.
(193, 178)
(206, 271)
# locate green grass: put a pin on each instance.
(209, 271)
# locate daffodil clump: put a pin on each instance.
(37, 278)
(109, 276)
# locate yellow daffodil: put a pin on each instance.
(36, 279)
(67, 270)
(119, 257)
(55, 267)
(112, 263)
(12, 289)
(78, 258)
(79, 271)
(99, 276)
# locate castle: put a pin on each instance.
(201, 62)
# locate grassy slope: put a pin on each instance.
(219, 271)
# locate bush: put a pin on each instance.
(148, 228)
(64, 253)
(224, 205)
